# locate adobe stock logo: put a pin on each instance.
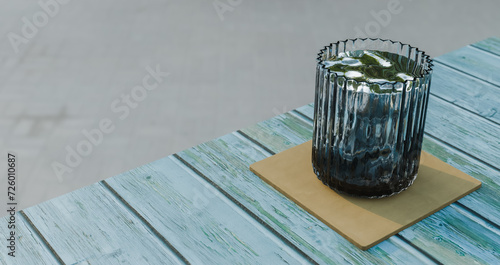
(224, 6)
(40, 19)
(381, 18)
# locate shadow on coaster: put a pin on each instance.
(364, 222)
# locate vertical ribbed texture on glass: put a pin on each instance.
(364, 143)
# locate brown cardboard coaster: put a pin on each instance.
(364, 222)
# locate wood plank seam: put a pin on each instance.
(468, 110)
(253, 141)
(417, 249)
(423, 252)
(471, 212)
(219, 164)
(256, 142)
(465, 73)
(483, 50)
(477, 215)
(462, 151)
(435, 138)
(42, 239)
(242, 213)
(298, 113)
(302, 117)
(78, 223)
(246, 210)
(428, 244)
(474, 213)
(119, 198)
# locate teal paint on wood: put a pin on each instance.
(307, 110)
(469, 133)
(226, 160)
(90, 226)
(264, 132)
(455, 228)
(30, 249)
(463, 90)
(454, 238)
(475, 62)
(297, 131)
(490, 44)
(485, 201)
(93, 226)
(198, 220)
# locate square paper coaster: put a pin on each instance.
(364, 222)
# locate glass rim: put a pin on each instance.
(426, 61)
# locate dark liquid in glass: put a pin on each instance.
(368, 134)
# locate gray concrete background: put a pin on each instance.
(231, 63)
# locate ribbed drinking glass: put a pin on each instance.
(368, 132)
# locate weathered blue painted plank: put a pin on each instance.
(490, 44)
(467, 92)
(469, 133)
(454, 238)
(469, 247)
(226, 160)
(89, 226)
(307, 110)
(197, 219)
(30, 249)
(286, 132)
(474, 62)
(94, 226)
(485, 200)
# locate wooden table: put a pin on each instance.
(204, 206)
